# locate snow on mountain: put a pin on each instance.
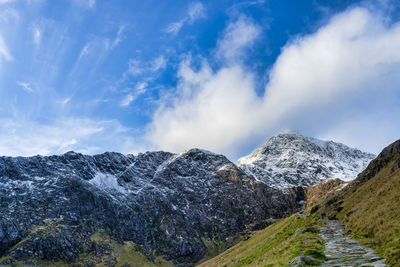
(290, 159)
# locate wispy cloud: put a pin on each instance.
(136, 68)
(195, 11)
(36, 35)
(175, 27)
(119, 38)
(84, 52)
(25, 86)
(132, 96)
(127, 100)
(4, 52)
(96, 50)
(144, 72)
(158, 64)
(66, 100)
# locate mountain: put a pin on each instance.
(290, 159)
(112, 209)
(368, 206)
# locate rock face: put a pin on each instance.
(290, 159)
(317, 193)
(170, 205)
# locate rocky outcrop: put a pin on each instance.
(168, 204)
(389, 154)
(317, 193)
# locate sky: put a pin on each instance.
(135, 76)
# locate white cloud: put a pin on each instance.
(27, 138)
(195, 11)
(25, 86)
(4, 52)
(238, 36)
(350, 66)
(158, 64)
(6, 1)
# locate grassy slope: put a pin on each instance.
(370, 206)
(276, 245)
(371, 211)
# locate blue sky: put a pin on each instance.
(131, 76)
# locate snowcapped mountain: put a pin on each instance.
(179, 206)
(290, 159)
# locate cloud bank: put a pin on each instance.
(345, 72)
(28, 138)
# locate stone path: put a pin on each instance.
(343, 251)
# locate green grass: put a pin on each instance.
(276, 245)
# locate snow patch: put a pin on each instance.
(106, 182)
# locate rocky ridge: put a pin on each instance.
(173, 205)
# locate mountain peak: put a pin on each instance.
(291, 159)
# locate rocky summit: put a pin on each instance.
(289, 159)
(75, 208)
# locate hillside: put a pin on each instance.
(276, 245)
(369, 206)
(291, 159)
